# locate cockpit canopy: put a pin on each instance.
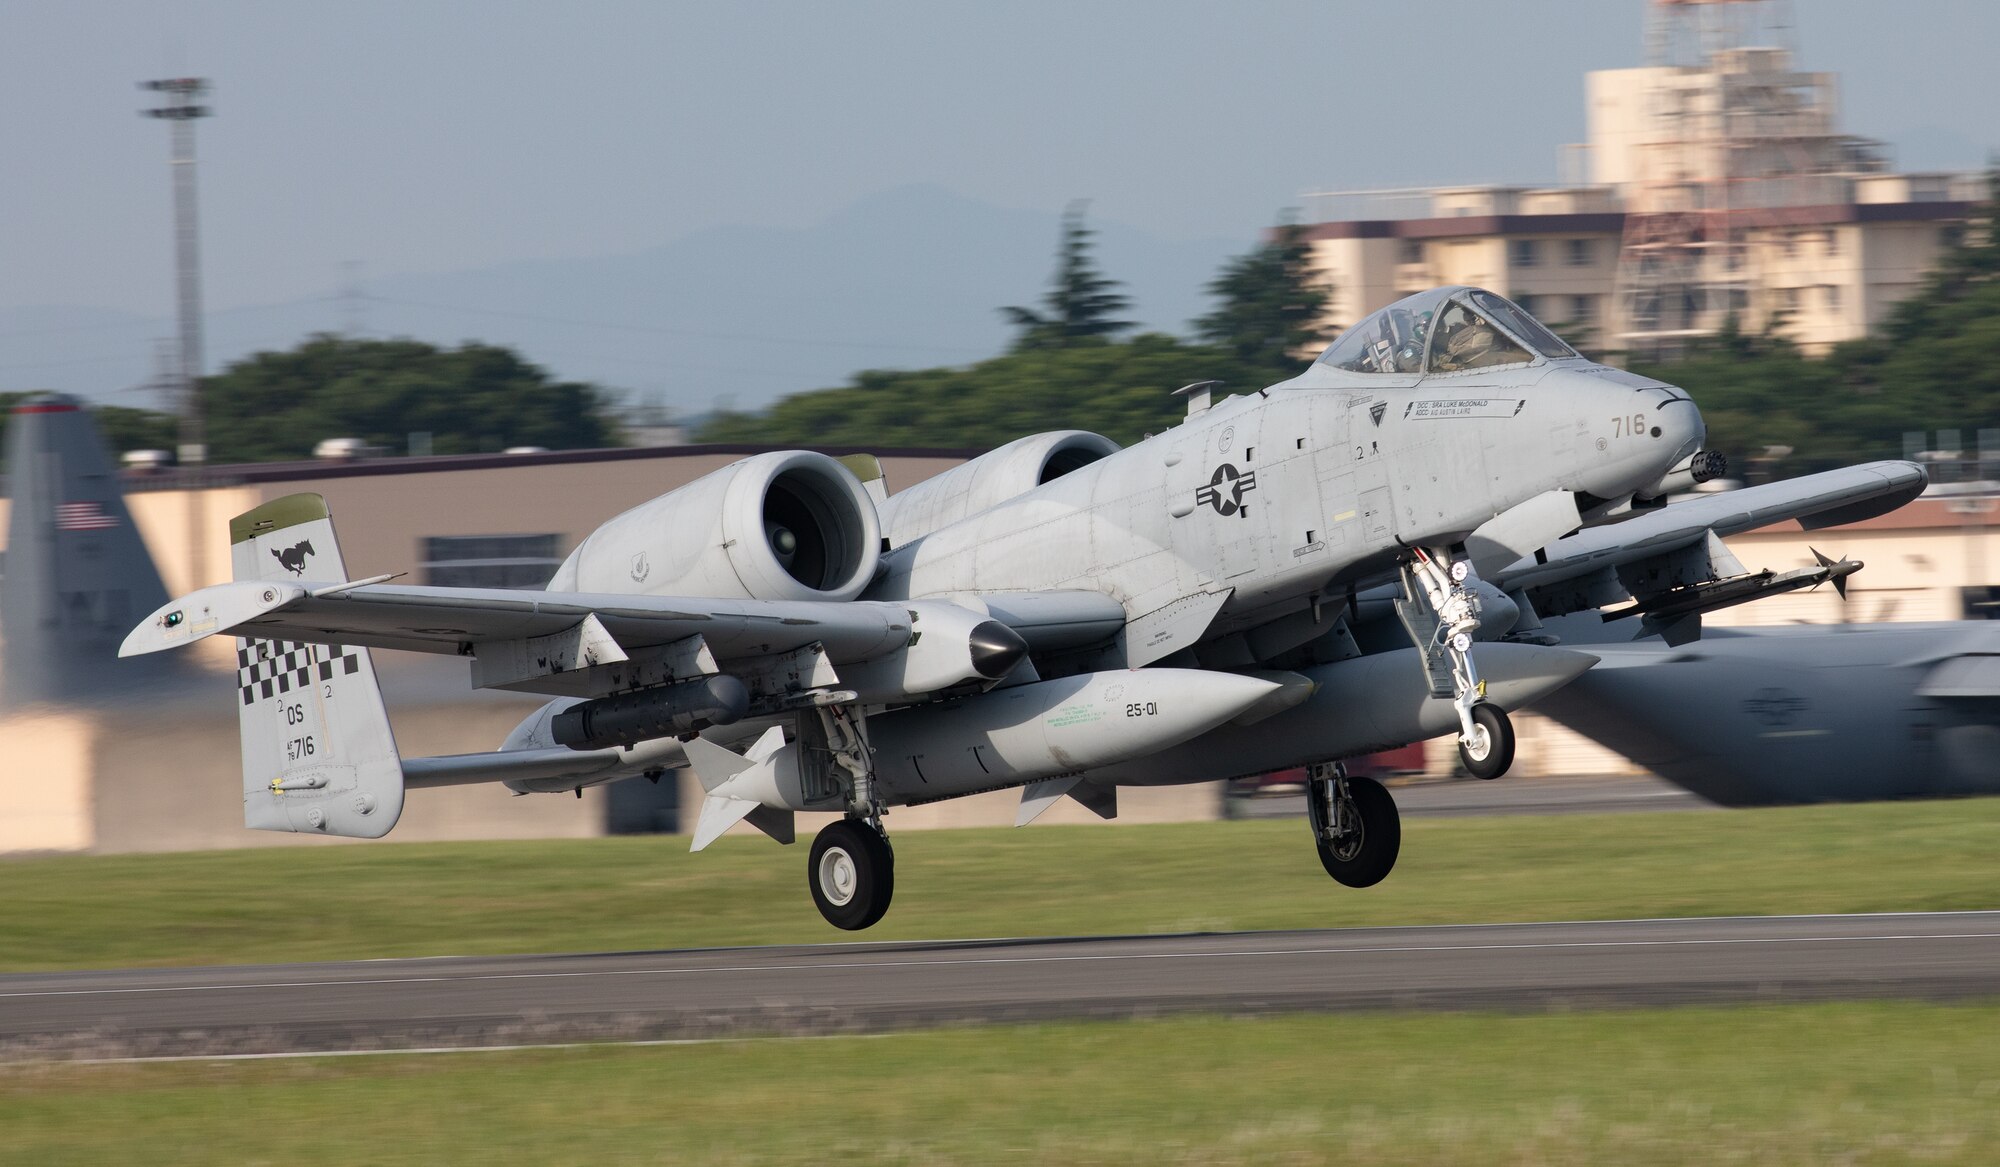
(1444, 330)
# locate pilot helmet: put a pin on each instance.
(1413, 347)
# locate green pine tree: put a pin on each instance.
(1271, 304)
(1081, 305)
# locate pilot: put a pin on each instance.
(1467, 346)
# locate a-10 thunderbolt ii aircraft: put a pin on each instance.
(1060, 615)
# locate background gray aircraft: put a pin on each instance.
(77, 573)
(1802, 714)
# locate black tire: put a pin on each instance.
(852, 874)
(1366, 856)
(1498, 754)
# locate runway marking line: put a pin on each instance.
(1022, 941)
(998, 960)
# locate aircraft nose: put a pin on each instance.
(1680, 427)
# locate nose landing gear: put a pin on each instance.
(1441, 612)
(1489, 749)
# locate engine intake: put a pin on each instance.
(989, 480)
(791, 525)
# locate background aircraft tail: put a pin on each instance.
(318, 754)
(77, 574)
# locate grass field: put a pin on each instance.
(382, 900)
(1849, 1084)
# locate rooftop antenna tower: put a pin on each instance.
(180, 110)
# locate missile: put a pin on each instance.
(1002, 738)
(1712, 595)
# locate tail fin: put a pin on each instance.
(318, 755)
(76, 566)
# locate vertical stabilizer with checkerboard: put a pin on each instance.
(318, 755)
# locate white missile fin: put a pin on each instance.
(1037, 797)
(718, 814)
(766, 746)
(715, 765)
(1101, 801)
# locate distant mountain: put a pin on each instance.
(908, 278)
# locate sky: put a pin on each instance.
(365, 139)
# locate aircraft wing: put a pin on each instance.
(524, 640)
(1671, 562)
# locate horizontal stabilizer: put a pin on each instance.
(213, 609)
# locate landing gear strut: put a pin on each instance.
(852, 869)
(1441, 612)
(852, 873)
(1354, 823)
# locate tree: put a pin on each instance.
(471, 399)
(1121, 389)
(1080, 306)
(1272, 303)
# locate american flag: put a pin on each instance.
(82, 516)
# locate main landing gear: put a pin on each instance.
(852, 869)
(1354, 823)
(1440, 610)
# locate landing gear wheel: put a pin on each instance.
(1491, 749)
(852, 873)
(1360, 851)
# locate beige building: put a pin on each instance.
(1718, 188)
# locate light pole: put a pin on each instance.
(180, 111)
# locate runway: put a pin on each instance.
(842, 988)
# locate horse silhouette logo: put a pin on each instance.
(293, 558)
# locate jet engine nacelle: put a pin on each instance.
(792, 525)
(989, 480)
